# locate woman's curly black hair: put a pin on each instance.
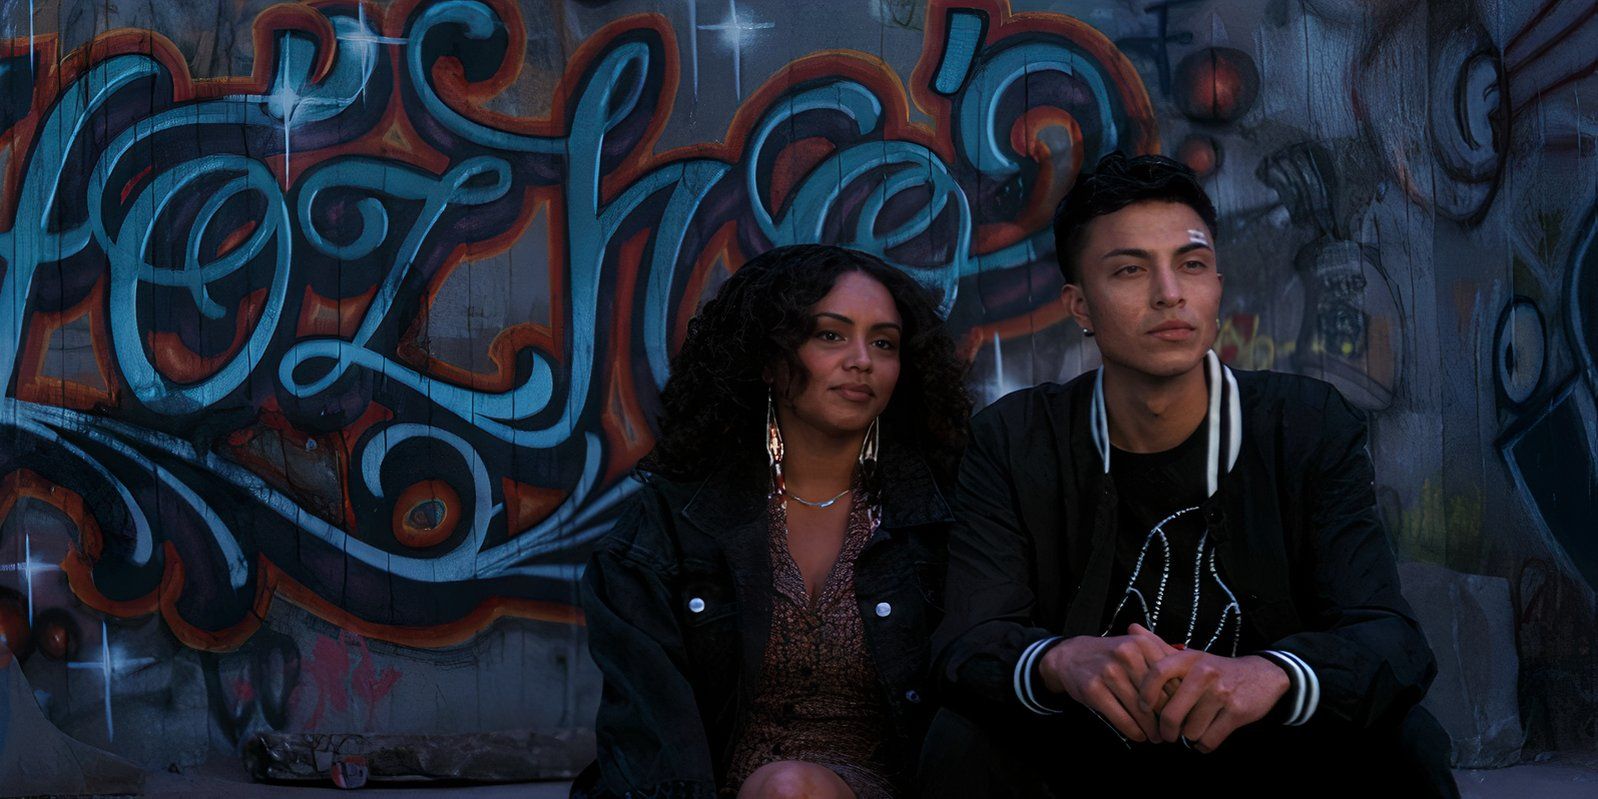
(714, 403)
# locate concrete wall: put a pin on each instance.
(331, 329)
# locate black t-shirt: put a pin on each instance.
(1165, 490)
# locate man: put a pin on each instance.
(1164, 574)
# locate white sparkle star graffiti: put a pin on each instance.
(110, 664)
(283, 102)
(27, 568)
(368, 39)
(733, 29)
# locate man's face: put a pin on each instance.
(1148, 288)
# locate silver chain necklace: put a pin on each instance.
(827, 504)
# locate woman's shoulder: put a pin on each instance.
(646, 529)
(912, 491)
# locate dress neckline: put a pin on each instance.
(789, 580)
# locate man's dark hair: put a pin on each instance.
(1115, 183)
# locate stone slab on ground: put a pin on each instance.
(1469, 621)
(352, 759)
(227, 779)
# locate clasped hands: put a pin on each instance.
(1152, 691)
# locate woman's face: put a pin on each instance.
(852, 358)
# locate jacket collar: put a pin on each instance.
(910, 497)
(1224, 421)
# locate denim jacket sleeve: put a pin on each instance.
(651, 740)
(1365, 650)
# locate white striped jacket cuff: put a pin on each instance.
(1024, 690)
(1304, 695)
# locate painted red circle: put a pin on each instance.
(426, 514)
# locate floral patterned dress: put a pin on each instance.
(819, 699)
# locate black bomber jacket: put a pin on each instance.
(1294, 519)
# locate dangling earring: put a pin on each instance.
(1086, 333)
(869, 445)
(773, 443)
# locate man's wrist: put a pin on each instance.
(1273, 678)
(1047, 668)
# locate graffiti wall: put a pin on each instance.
(331, 329)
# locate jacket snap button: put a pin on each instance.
(696, 605)
(883, 609)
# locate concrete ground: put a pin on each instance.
(1552, 777)
(1549, 776)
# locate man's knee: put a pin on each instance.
(1424, 735)
(1425, 751)
(1406, 754)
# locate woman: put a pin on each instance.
(761, 613)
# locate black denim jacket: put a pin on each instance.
(1296, 530)
(678, 602)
